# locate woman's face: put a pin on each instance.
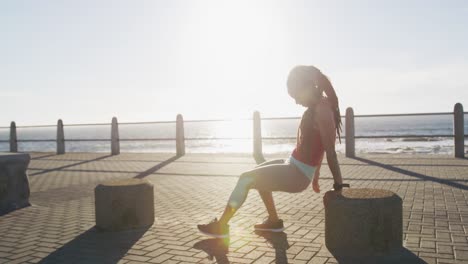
(306, 95)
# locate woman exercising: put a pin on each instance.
(316, 136)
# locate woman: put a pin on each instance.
(316, 136)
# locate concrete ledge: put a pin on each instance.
(363, 222)
(124, 204)
(14, 183)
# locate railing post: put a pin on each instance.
(349, 129)
(180, 136)
(60, 138)
(13, 138)
(257, 138)
(458, 130)
(115, 143)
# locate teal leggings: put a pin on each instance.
(275, 175)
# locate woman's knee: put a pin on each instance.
(246, 179)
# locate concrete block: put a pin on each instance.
(14, 183)
(363, 222)
(124, 204)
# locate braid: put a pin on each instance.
(325, 83)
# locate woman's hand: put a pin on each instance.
(315, 184)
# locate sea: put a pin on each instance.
(235, 136)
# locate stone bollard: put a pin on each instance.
(124, 204)
(363, 222)
(14, 183)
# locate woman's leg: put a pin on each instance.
(277, 177)
(240, 192)
(271, 162)
(237, 198)
(267, 198)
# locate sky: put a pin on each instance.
(87, 61)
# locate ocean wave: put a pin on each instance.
(399, 150)
(422, 139)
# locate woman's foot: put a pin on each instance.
(269, 225)
(214, 229)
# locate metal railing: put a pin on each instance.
(458, 124)
(257, 138)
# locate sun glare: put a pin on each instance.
(226, 48)
(233, 129)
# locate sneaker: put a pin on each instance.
(214, 229)
(267, 225)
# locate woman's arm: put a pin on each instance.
(328, 136)
(317, 170)
(315, 184)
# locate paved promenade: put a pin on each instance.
(193, 189)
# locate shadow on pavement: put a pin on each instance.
(414, 174)
(70, 165)
(156, 168)
(216, 248)
(402, 255)
(95, 246)
(279, 241)
(45, 155)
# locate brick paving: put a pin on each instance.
(59, 226)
